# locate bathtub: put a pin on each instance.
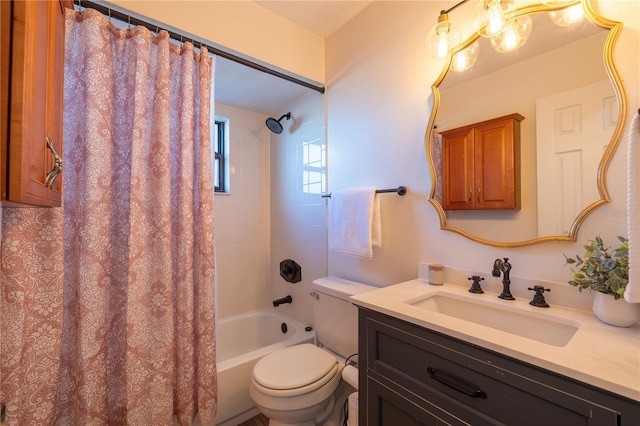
(241, 341)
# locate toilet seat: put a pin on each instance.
(294, 370)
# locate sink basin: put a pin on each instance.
(511, 319)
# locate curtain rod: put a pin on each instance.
(112, 13)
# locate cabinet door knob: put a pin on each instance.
(478, 196)
(469, 196)
(57, 166)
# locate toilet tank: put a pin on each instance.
(335, 317)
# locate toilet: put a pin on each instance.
(295, 385)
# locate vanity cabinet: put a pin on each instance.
(410, 375)
(32, 77)
(481, 165)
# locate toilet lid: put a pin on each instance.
(293, 367)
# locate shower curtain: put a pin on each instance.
(436, 156)
(136, 340)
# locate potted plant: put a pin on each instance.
(607, 274)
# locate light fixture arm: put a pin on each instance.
(455, 6)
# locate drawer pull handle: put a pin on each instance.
(463, 388)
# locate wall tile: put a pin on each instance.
(243, 216)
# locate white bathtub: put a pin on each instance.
(241, 341)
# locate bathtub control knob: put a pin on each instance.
(290, 271)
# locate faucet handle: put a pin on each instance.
(475, 286)
(538, 298)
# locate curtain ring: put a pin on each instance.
(129, 21)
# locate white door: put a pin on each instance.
(573, 129)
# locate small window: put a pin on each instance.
(220, 156)
(313, 166)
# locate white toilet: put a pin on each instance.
(295, 385)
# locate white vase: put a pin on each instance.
(615, 312)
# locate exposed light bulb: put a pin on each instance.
(443, 37)
(514, 36)
(510, 38)
(490, 16)
(465, 58)
(495, 18)
(568, 16)
(442, 45)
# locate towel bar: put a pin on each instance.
(401, 190)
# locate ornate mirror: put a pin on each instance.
(564, 83)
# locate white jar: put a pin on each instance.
(436, 274)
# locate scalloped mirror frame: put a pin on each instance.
(614, 28)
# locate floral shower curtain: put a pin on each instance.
(31, 277)
(136, 340)
(436, 156)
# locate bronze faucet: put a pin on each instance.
(505, 267)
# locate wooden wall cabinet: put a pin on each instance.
(32, 77)
(410, 375)
(481, 165)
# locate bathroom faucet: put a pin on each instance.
(504, 266)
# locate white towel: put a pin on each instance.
(632, 292)
(354, 222)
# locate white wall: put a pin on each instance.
(242, 218)
(298, 224)
(243, 28)
(378, 105)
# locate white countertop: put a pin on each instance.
(604, 356)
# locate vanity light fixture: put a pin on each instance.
(493, 19)
(444, 36)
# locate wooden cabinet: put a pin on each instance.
(32, 78)
(481, 165)
(410, 375)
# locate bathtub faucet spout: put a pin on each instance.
(279, 302)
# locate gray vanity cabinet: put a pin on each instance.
(410, 375)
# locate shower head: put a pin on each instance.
(274, 125)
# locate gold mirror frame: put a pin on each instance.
(614, 28)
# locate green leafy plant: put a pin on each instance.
(600, 270)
